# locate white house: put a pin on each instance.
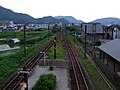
(14, 40)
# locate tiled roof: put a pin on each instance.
(112, 48)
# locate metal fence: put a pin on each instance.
(114, 77)
(57, 63)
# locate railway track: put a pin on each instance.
(79, 80)
(14, 81)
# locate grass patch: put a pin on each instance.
(9, 63)
(60, 53)
(97, 80)
(6, 53)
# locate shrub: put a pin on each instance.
(45, 82)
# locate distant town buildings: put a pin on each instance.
(6, 26)
(6, 23)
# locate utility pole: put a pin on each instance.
(48, 32)
(25, 38)
(55, 48)
(24, 41)
(94, 32)
(94, 38)
(85, 41)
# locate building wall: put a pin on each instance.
(98, 27)
(90, 38)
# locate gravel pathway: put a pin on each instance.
(61, 75)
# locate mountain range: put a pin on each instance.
(108, 21)
(70, 19)
(20, 18)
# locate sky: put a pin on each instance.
(85, 10)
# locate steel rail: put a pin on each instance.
(15, 80)
(81, 71)
(74, 61)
